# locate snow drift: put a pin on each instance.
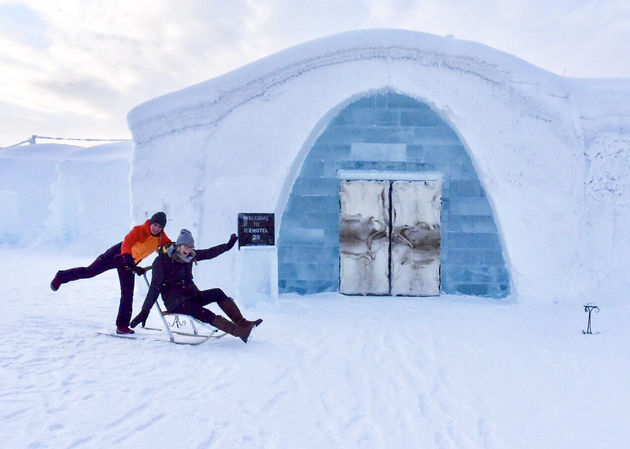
(65, 197)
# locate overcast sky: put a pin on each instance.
(74, 68)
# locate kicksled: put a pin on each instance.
(168, 335)
(183, 330)
(175, 332)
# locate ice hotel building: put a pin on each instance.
(395, 163)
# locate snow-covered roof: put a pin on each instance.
(219, 96)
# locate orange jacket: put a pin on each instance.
(140, 242)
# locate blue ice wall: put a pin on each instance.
(412, 138)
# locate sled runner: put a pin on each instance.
(157, 334)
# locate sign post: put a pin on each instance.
(258, 258)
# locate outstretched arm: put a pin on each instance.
(210, 253)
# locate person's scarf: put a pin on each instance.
(177, 257)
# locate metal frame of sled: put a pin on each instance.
(201, 337)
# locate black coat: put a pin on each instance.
(174, 279)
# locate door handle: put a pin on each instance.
(374, 235)
(402, 237)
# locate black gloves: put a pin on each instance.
(140, 318)
(231, 242)
(125, 260)
(128, 261)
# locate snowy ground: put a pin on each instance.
(323, 371)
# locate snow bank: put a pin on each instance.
(545, 147)
(65, 197)
(91, 204)
(26, 174)
(605, 243)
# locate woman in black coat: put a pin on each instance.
(172, 277)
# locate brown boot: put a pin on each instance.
(231, 328)
(255, 323)
(232, 311)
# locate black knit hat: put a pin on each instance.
(159, 218)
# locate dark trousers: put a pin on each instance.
(194, 305)
(104, 262)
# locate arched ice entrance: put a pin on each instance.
(388, 136)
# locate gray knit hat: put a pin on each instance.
(185, 238)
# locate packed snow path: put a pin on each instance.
(324, 371)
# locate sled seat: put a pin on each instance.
(180, 320)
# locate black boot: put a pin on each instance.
(231, 328)
(57, 281)
(232, 311)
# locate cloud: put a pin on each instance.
(70, 58)
(23, 24)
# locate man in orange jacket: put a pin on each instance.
(141, 241)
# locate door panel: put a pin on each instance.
(415, 240)
(364, 237)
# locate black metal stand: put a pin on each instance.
(589, 308)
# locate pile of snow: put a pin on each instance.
(26, 174)
(65, 197)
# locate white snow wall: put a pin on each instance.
(26, 174)
(541, 145)
(90, 210)
(63, 197)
